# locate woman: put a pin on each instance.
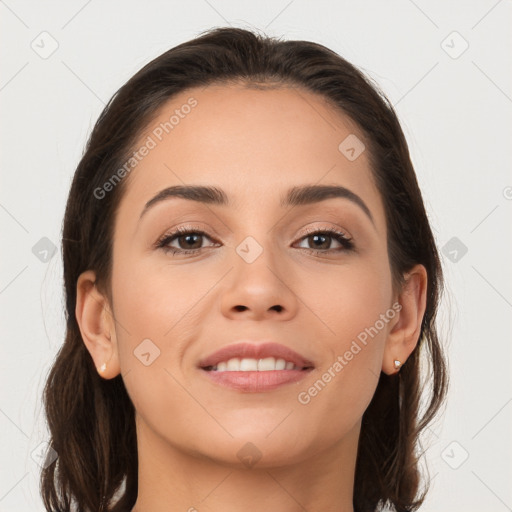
(251, 285)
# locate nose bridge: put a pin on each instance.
(258, 282)
(255, 240)
(257, 261)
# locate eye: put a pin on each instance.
(321, 241)
(188, 241)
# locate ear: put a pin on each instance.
(404, 335)
(97, 326)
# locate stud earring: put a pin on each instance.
(397, 364)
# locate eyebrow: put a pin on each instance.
(295, 196)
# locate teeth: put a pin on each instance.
(248, 365)
(233, 365)
(267, 364)
(252, 365)
(280, 364)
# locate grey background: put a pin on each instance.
(62, 61)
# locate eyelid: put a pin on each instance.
(336, 233)
(181, 230)
(317, 229)
(174, 233)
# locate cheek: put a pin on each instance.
(158, 309)
(347, 300)
(153, 301)
(352, 305)
(151, 314)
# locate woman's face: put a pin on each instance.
(252, 278)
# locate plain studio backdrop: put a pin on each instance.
(445, 67)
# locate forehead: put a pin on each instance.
(252, 143)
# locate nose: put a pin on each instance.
(260, 289)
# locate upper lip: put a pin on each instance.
(255, 350)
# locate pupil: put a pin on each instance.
(316, 238)
(190, 239)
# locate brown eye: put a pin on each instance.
(321, 241)
(183, 240)
(190, 241)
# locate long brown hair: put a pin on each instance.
(92, 420)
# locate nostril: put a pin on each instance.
(240, 308)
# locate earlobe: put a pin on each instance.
(405, 333)
(96, 325)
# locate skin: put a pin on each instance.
(253, 144)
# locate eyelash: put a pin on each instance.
(339, 236)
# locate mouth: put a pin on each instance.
(268, 364)
(255, 368)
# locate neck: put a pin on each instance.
(172, 480)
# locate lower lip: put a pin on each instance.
(255, 382)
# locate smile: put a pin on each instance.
(268, 364)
